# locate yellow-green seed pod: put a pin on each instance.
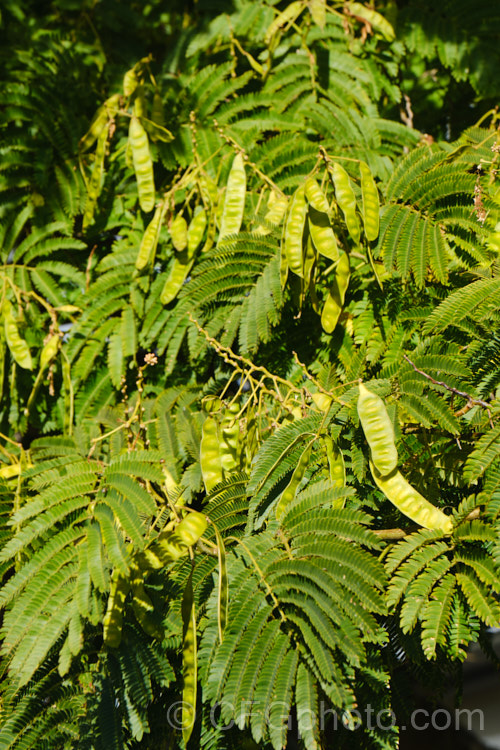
(322, 234)
(286, 17)
(113, 619)
(8, 472)
(157, 111)
(376, 20)
(191, 528)
(49, 350)
(196, 229)
(189, 663)
(315, 196)
(294, 231)
(178, 272)
(336, 295)
(283, 266)
(378, 430)
(130, 82)
(346, 199)
(178, 232)
(234, 201)
(317, 9)
(289, 493)
(336, 467)
(230, 440)
(210, 458)
(143, 165)
(17, 345)
(322, 401)
(103, 115)
(410, 502)
(371, 205)
(309, 261)
(149, 242)
(276, 208)
(96, 178)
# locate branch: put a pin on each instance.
(471, 400)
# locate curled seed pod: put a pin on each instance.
(143, 165)
(178, 232)
(149, 243)
(189, 662)
(371, 205)
(113, 619)
(234, 201)
(294, 231)
(17, 345)
(210, 458)
(378, 430)
(336, 295)
(196, 229)
(410, 502)
(346, 199)
(289, 493)
(49, 350)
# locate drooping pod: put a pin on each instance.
(96, 178)
(178, 272)
(113, 619)
(210, 458)
(319, 225)
(234, 201)
(104, 114)
(276, 208)
(375, 19)
(336, 464)
(189, 662)
(298, 474)
(149, 241)
(49, 350)
(315, 196)
(143, 165)
(379, 431)
(336, 295)
(196, 229)
(371, 204)
(346, 199)
(17, 345)
(294, 231)
(410, 502)
(287, 16)
(178, 233)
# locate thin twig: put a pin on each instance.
(470, 399)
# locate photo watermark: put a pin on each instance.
(276, 715)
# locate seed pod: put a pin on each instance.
(346, 199)
(234, 201)
(143, 606)
(178, 232)
(9, 472)
(230, 438)
(191, 528)
(336, 295)
(378, 430)
(130, 82)
(315, 196)
(96, 178)
(289, 493)
(410, 502)
(103, 115)
(143, 164)
(287, 16)
(322, 234)
(294, 231)
(49, 350)
(196, 229)
(376, 21)
(336, 466)
(277, 204)
(189, 662)
(210, 459)
(17, 345)
(317, 9)
(178, 272)
(149, 243)
(157, 111)
(113, 619)
(371, 205)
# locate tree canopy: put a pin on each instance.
(250, 367)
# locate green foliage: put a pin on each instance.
(185, 486)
